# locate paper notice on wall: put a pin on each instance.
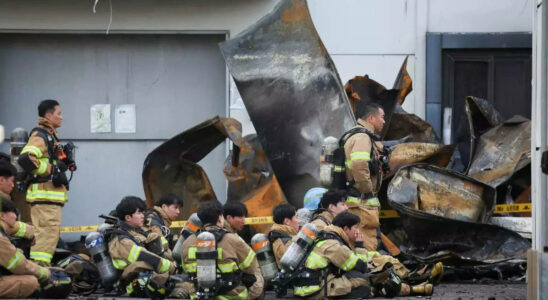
(100, 118)
(125, 118)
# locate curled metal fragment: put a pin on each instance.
(252, 181)
(408, 153)
(172, 167)
(292, 92)
(480, 117)
(444, 213)
(502, 151)
(404, 124)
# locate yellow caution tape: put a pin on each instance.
(512, 208)
(384, 214)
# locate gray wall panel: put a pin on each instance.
(176, 82)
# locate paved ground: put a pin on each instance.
(469, 291)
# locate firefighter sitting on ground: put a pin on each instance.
(284, 229)
(133, 249)
(159, 218)
(339, 253)
(239, 276)
(333, 203)
(7, 177)
(234, 213)
(21, 278)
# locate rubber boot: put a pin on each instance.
(424, 289)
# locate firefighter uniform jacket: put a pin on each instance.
(127, 246)
(155, 220)
(234, 257)
(14, 262)
(19, 229)
(360, 151)
(346, 266)
(322, 220)
(280, 237)
(228, 227)
(37, 150)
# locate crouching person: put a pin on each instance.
(237, 275)
(284, 229)
(20, 277)
(138, 253)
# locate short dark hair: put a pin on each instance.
(283, 211)
(7, 169)
(363, 111)
(47, 106)
(209, 211)
(128, 206)
(346, 219)
(234, 209)
(331, 197)
(169, 199)
(8, 205)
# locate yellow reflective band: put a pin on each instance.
(370, 254)
(164, 241)
(134, 253)
(32, 149)
(129, 288)
(34, 193)
(351, 199)
(305, 290)
(14, 261)
(192, 252)
(164, 267)
(42, 168)
(338, 169)
(41, 256)
(220, 253)
(347, 164)
(190, 267)
(241, 296)
(22, 229)
(119, 264)
(228, 268)
(363, 257)
(350, 263)
(315, 261)
(320, 243)
(160, 290)
(360, 156)
(248, 260)
(373, 202)
(43, 273)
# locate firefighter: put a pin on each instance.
(159, 218)
(234, 213)
(338, 261)
(332, 203)
(285, 227)
(240, 275)
(19, 229)
(363, 172)
(47, 192)
(133, 249)
(20, 277)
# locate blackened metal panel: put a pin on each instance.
(292, 91)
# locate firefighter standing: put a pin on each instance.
(47, 192)
(363, 172)
(159, 218)
(20, 277)
(132, 249)
(284, 229)
(240, 275)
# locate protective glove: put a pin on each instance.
(59, 177)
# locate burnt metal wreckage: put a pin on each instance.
(295, 98)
